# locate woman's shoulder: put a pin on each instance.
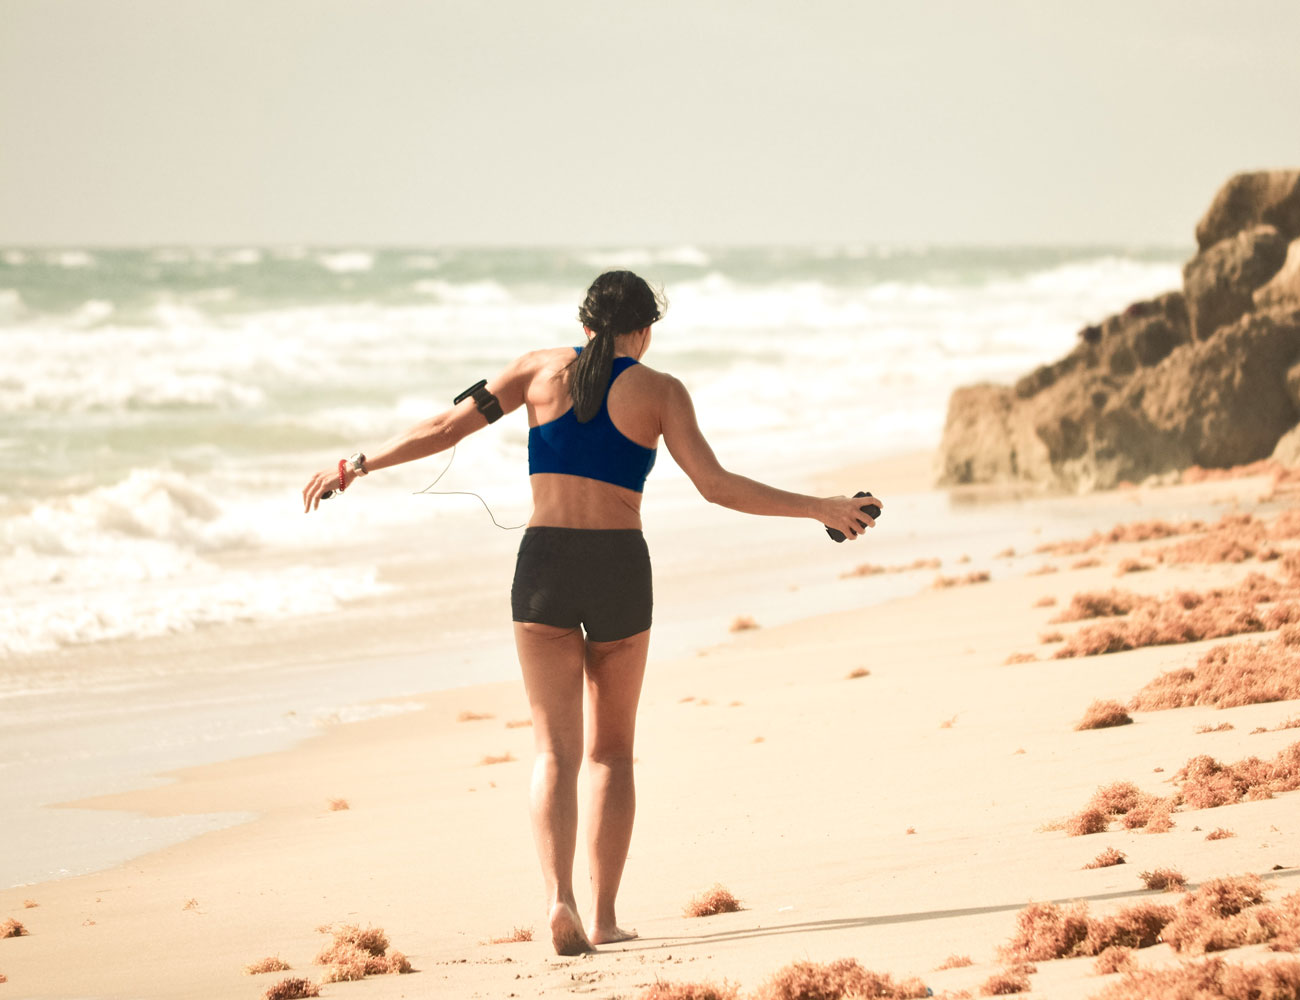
(547, 360)
(660, 380)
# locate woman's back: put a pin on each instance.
(614, 449)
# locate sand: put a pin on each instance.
(896, 818)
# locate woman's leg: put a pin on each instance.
(552, 662)
(614, 674)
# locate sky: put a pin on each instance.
(598, 123)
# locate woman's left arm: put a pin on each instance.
(431, 436)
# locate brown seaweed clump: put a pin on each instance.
(1210, 978)
(1103, 715)
(1180, 617)
(1206, 783)
(516, 936)
(1227, 913)
(712, 902)
(1138, 531)
(12, 928)
(1123, 801)
(944, 582)
(870, 569)
(1045, 931)
(293, 988)
(272, 964)
(661, 990)
(1168, 879)
(833, 981)
(1107, 859)
(1114, 959)
(1087, 822)
(1005, 982)
(1117, 798)
(357, 952)
(1100, 604)
(1233, 538)
(1229, 675)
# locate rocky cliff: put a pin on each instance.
(1209, 375)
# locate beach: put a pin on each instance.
(165, 603)
(899, 817)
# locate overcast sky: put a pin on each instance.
(427, 122)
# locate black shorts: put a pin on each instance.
(599, 579)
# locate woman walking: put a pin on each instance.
(581, 598)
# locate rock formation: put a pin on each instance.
(1206, 376)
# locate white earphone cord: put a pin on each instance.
(430, 491)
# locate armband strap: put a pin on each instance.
(487, 404)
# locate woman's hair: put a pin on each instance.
(617, 302)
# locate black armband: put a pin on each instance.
(487, 404)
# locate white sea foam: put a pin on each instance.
(11, 304)
(147, 386)
(632, 257)
(136, 558)
(346, 714)
(475, 293)
(347, 261)
(71, 259)
(149, 525)
(44, 621)
(90, 313)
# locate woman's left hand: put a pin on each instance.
(323, 482)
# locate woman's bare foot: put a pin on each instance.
(566, 931)
(609, 935)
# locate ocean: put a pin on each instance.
(161, 409)
(163, 406)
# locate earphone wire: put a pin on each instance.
(430, 491)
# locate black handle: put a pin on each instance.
(871, 510)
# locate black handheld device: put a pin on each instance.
(870, 509)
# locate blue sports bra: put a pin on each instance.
(595, 450)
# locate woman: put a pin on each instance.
(595, 418)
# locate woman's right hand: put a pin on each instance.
(325, 481)
(845, 514)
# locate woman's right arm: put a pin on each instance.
(686, 443)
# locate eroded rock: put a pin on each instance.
(1262, 197)
(1220, 282)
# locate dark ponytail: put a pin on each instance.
(617, 302)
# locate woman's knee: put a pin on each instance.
(616, 758)
(563, 763)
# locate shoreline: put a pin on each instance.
(283, 681)
(807, 826)
(711, 568)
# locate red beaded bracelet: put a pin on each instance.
(343, 483)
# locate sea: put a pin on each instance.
(161, 409)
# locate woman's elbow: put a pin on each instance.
(714, 488)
